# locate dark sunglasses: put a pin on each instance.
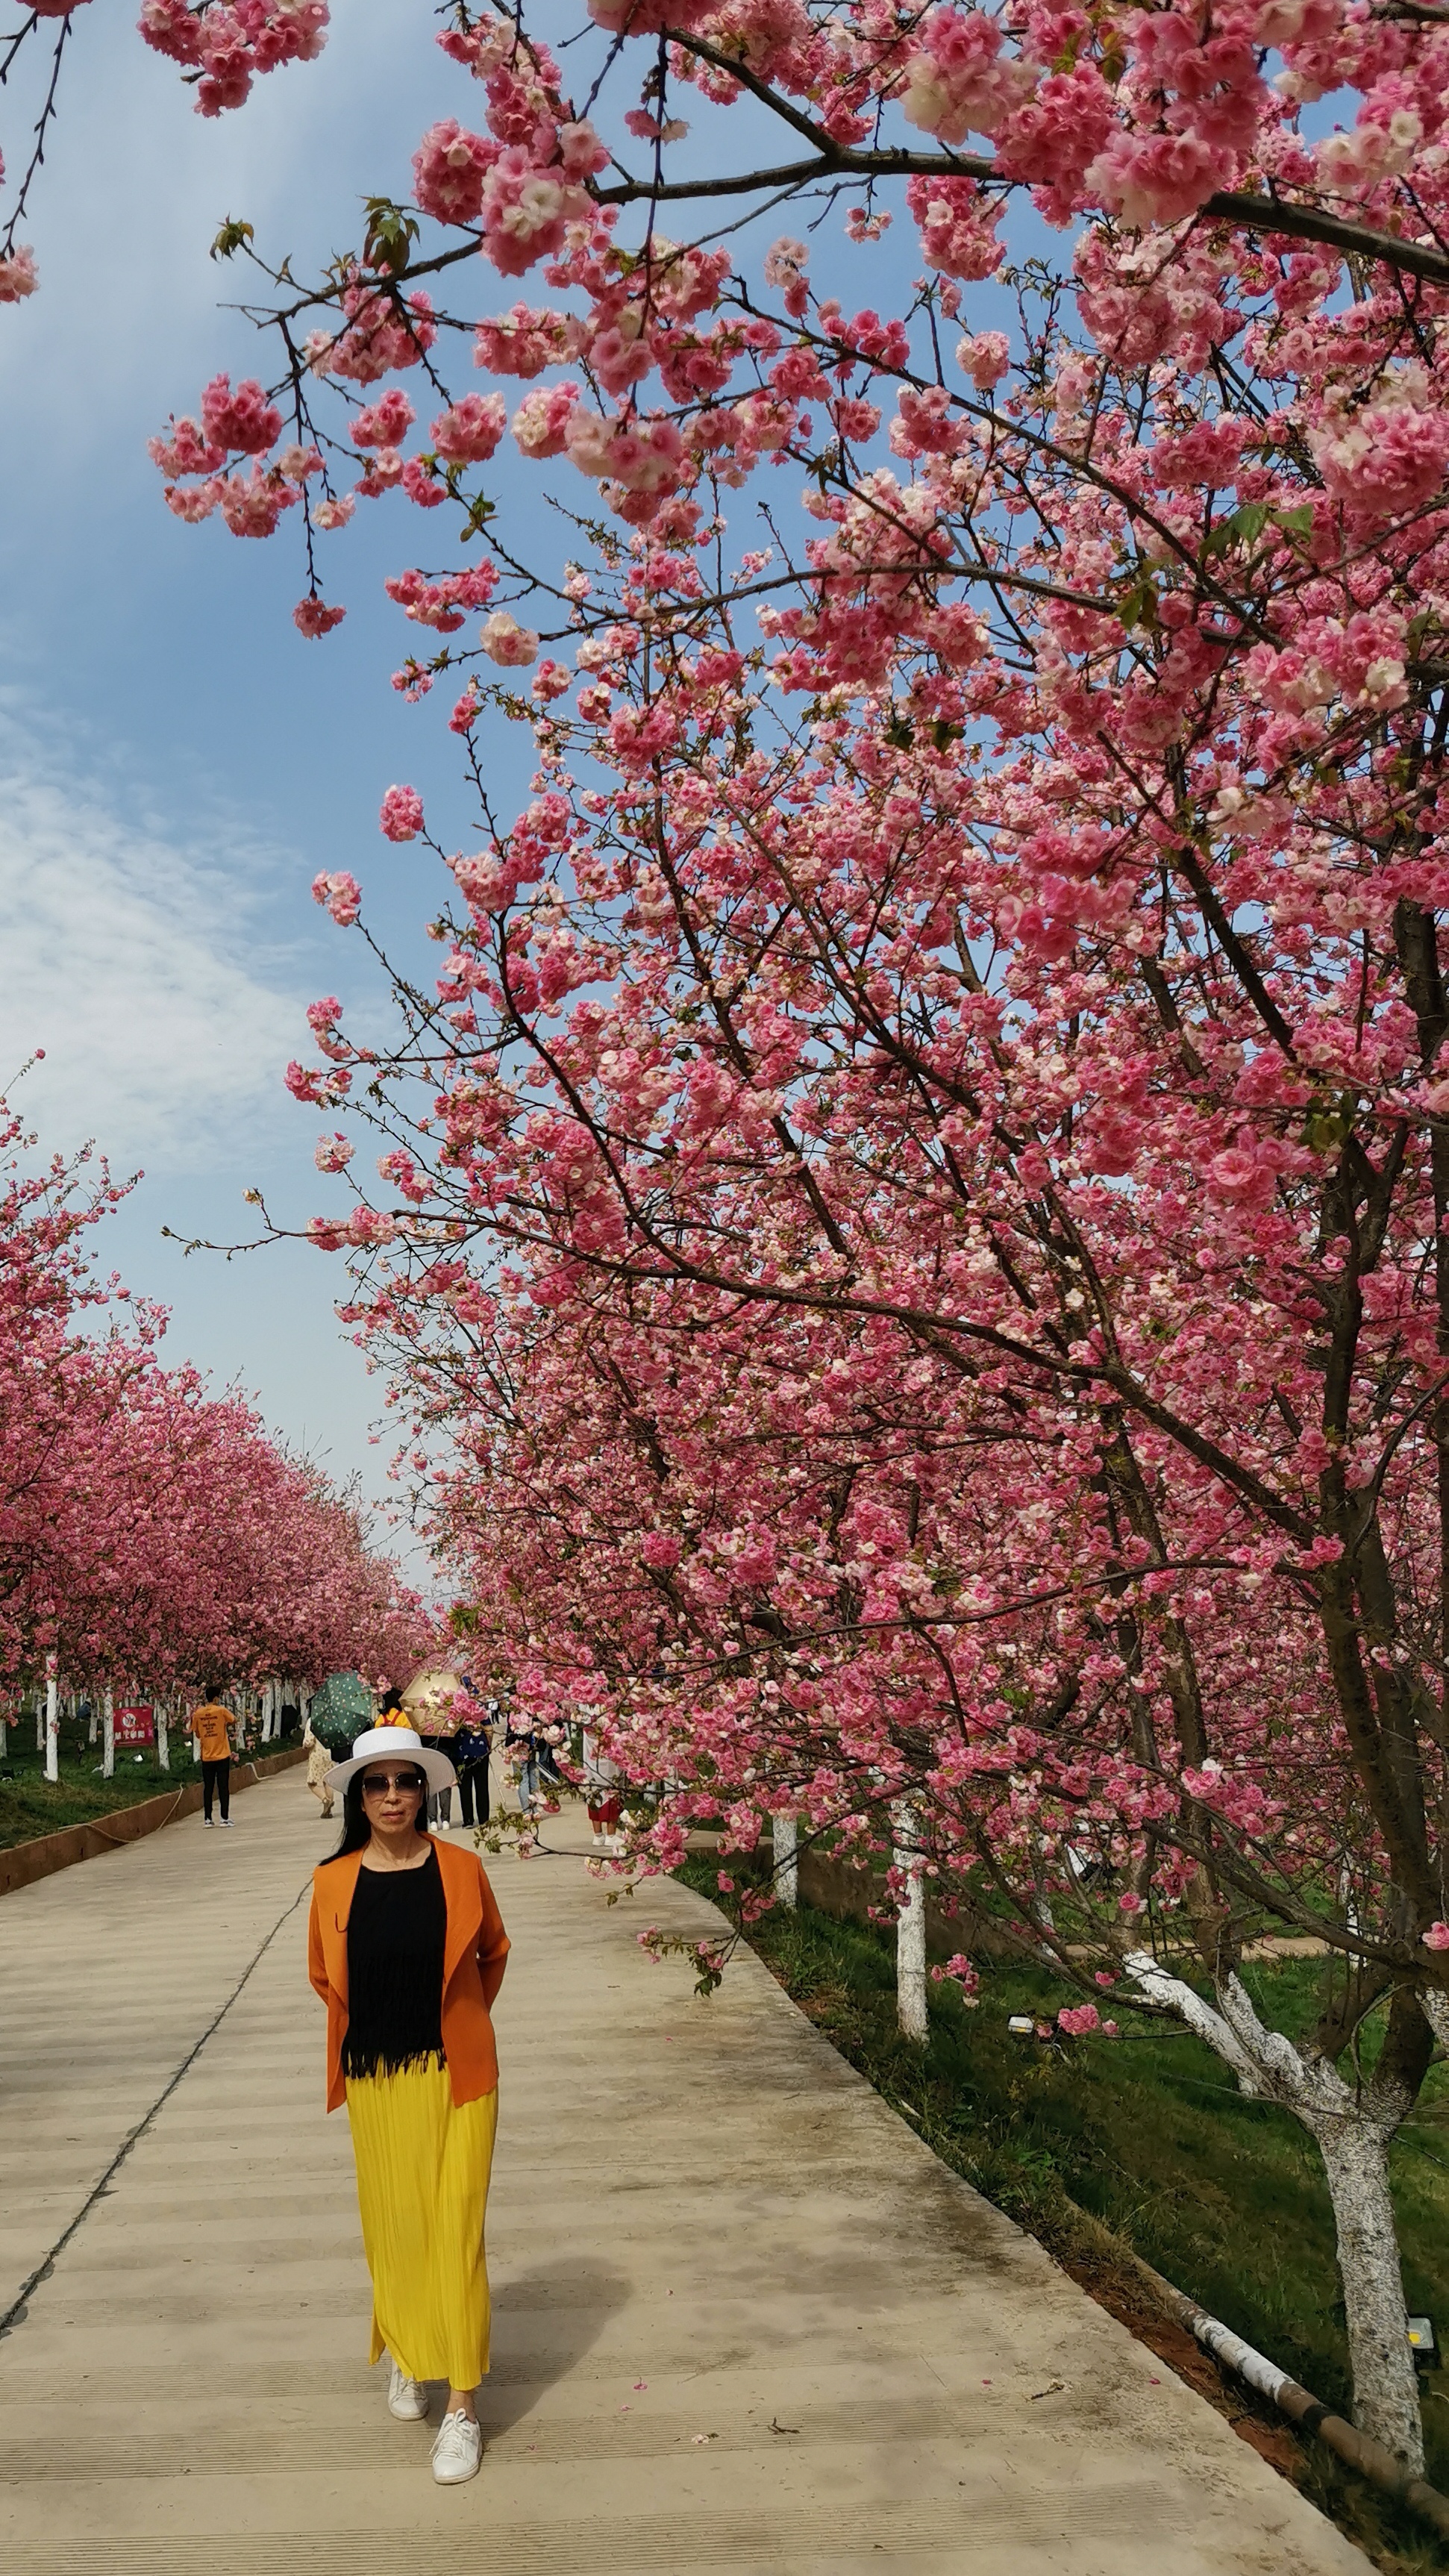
(375, 1781)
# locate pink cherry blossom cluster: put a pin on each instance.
(313, 618)
(1078, 2019)
(401, 816)
(231, 41)
(340, 894)
(18, 274)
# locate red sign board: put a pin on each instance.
(135, 1726)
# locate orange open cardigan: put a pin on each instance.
(474, 1954)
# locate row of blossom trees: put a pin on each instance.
(152, 1534)
(920, 1192)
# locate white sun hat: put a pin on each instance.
(394, 1743)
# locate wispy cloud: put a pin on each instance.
(131, 957)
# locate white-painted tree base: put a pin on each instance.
(910, 1924)
(1352, 2129)
(787, 1864)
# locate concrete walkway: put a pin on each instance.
(744, 2320)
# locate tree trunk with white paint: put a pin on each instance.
(163, 1738)
(1386, 2394)
(39, 1723)
(910, 1923)
(92, 1722)
(52, 1728)
(108, 1737)
(787, 1862)
(1352, 2127)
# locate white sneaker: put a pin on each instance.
(458, 2450)
(226, 1824)
(406, 2398)
(208, 1822)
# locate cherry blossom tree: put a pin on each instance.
(152, 1534)
(829, 1326)
(199, 1549)
(920, 1191)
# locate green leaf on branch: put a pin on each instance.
(233, 236)
(1242, 527)
(479, 513)
(1137, 606)
(1328, 1125)
(390, 235)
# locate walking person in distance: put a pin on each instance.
(440, 1801)
(521, 1752)
(319, 1769)
(397, 1711)
(212, 1724)
(407, 1950)
(472, 1748)
(550, 1740)
(601, 1791)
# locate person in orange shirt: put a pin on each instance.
(211, 1724)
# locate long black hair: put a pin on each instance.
(356, 1831)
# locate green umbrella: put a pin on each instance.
(341, 1710)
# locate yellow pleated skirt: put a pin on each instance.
(422, 2189)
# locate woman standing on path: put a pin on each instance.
(407, 1950)
(319, 1768)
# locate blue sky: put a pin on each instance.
(177, 762)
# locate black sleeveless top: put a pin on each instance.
(396, 1935)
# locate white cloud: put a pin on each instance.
(131, 958)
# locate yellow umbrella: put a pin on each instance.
(428, 1700)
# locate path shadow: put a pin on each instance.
(544, 2321)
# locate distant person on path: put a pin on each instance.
(211, 1724)
(520, 1746)
(393, 1713)
(601, 1790)
(440, 1801)
(549, 1742)
(472, 1748)
(407, 1949)
(319, 1766)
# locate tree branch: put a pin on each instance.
(1233, 206)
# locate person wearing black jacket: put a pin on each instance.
(471, 1750)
